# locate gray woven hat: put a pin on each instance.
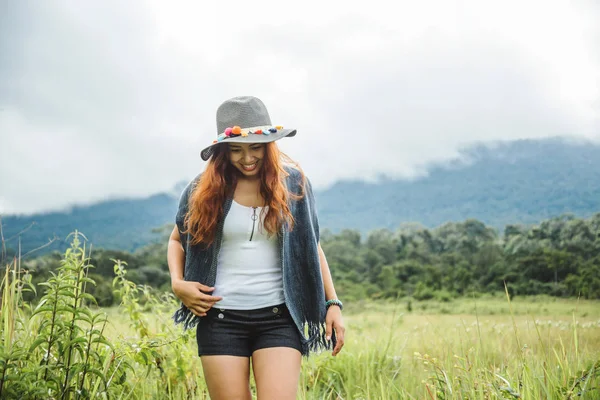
(245, 119)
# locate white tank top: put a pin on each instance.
(249, 274)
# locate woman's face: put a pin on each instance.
(247, 157)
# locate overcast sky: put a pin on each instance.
(102, 99)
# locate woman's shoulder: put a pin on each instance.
(295, 174)
(189, 187)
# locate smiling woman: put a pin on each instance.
(246, 262)
(247, 158)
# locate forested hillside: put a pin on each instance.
(524, 181)
(559, 257)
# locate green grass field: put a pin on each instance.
(546, 348)
(485, 347)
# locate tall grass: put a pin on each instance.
(58, 349)
(65, 347)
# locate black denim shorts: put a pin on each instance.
(242, 332)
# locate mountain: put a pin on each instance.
(523, 181)
(124, 224)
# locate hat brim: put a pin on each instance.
(251, 138)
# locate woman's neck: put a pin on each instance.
(247, 192)
(248, 182)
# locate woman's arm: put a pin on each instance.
(192, 294)
(334, 320)
(326, 274)
(175, 256)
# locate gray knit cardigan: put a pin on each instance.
(302, 282)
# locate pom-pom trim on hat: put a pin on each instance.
(236, 131)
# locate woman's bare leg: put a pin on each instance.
(227, 377)
(276, 372)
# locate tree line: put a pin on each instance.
(558, 257)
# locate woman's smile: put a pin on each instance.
(249, 167)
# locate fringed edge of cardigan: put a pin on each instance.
(184, 316)
(317, 339)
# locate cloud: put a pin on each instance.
(117, 98)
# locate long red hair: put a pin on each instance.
(218, 182)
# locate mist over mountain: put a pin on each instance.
(523, 181)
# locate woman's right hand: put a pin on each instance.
(193, 296)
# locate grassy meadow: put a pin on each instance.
(545, 348)
(485, 347)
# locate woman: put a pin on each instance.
(246, 262)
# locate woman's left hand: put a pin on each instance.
(334, 321)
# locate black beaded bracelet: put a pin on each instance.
(334, 302)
